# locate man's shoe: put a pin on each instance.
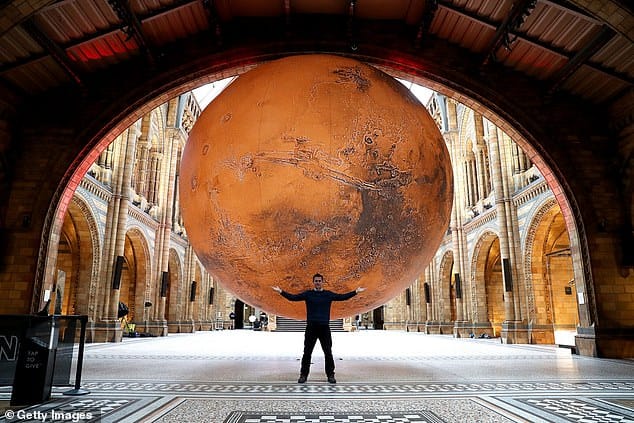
(302, 379)
(331, 379)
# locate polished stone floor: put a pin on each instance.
(246, 376)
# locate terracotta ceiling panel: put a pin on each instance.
(103, 51)
(444, 27)
(556, 36)
(473, 36)
(493, 10)
(39, 76)
(415, 12)
(618, 54)
(17, 45)
(591, 84)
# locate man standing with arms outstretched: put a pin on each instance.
(318, 302)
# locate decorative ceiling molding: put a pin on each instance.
(504, 36)
(133, 27)
(431, 6)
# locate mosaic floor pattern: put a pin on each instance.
(390, 417)
(321, 403)
(216, 378)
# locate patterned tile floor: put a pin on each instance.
(250, 377)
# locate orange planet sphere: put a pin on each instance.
(315, 164)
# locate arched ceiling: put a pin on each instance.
(583, 47)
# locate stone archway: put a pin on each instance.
(486, 271)
(398, 65)
(136, 277)
(78, 258)
(174, 294)
(444, 296)
(480, 296)
(550, 279)
(548, 138)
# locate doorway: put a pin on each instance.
(239, 313)
(378, 318)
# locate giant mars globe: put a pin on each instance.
(315, 164)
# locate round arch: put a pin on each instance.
(540, 214)
(486, 271)
(479, 262)
(138, 258)
(444, 299)
(174, 301)
(82, 255)
(427, 67)
(549, 278)
(198, 305)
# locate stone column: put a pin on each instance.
(482, 193)
(141, 185)
(109, 329)
(514, 237)
(511, 328)
(164, 228)
(189, 325)
(431, 324)
(462, 191)
(479, 155)
(476, 288)
(473, 178)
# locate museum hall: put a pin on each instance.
(470, 163)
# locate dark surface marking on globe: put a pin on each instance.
(353, 74)
(387, 230)
(441, 179)
(315, 164)
(306, 229)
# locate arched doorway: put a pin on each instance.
(494, 286)
(486, 269)
(135, 277)
(550, 275)
(487, 287)
(173, 303)
(76, 250)
(444, 295)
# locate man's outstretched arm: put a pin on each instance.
(347, 295)
(288, 296)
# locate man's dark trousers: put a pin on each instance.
(315, 331)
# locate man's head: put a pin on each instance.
(318, 281)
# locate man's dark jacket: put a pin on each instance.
(318, 303)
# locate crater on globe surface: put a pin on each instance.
(315, 164)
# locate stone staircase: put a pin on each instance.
(284, 324)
